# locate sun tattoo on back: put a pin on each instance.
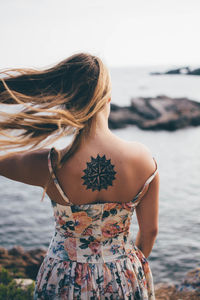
(99, 173)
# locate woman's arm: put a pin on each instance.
(28, 167)
(147, 216)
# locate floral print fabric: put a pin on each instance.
(92, 256)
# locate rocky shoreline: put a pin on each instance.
(183, 71)
(156, 113)
(25, 264)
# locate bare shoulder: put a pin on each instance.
(29, 167)
(141, 157)
(37, 163)
(38, 157)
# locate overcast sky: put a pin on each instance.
(123, 33)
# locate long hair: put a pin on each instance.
(52, 103)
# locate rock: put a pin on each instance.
(195, 72)
(156, 113)
(3, 252)
(191, 281)
(189, 289)
(23, 282)
(16, 250)
(170, 293)
(19, 261)
(164, 291)
(182, 70)
(32, 270)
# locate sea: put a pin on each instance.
(26, 221)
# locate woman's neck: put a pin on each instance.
(100, 127)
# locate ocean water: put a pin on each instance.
(137, 82)
(26, 221)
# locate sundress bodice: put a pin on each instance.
(99, 234)
(92, 233)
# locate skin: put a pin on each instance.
(133, 163)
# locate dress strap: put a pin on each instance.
(147, 182)
(53, 175)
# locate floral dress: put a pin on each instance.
(91, 254)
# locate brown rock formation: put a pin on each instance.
(22, 263)
(170, 292)
(189, 289)
(159, 113)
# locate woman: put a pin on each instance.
(94, 184)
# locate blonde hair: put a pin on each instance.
(54, 101)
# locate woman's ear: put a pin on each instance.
(109, 99)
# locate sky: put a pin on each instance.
(39, 33)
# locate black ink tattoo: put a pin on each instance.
(99, 173)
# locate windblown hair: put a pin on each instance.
(53, 102)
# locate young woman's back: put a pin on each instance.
(123, 168)
(94, 184)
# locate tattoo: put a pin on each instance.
(99, 173)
